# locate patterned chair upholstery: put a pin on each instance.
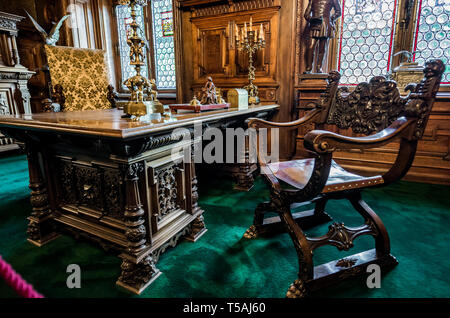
(79, 78)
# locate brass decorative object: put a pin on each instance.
(238, 98)
(251, 42)
(407, 72)
(138, 84)
(195, 102)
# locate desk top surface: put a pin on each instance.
(109, 123)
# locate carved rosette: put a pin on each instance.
(137, 275)
(134, 214)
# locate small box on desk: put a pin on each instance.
(238, 98)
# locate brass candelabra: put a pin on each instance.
(139, 84)
(250, 41)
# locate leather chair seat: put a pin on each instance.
(296, 173)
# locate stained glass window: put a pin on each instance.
(432, 37)
(366, 38)
(123, 21)
(163, 33)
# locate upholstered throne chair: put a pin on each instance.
(78, 79)
(374, 110)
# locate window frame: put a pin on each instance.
(405, 25)
(148, 30)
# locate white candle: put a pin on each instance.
(261, 32)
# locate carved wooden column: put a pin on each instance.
(198, 227)
(138, 269)
(308, 91)
(40, 228)
(244, 177)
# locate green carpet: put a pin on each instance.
(221, 264)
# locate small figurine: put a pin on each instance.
(112, 96)
(209, 93)
(58, 96)
(152, 94)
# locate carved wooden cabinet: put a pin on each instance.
(208, 45)
(14, 95)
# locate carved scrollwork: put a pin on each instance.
(327, 97)
(132, 170)
(167, 191)
(135, 234)
(373, 106)
(422, 95)
(4, 109)
(113, 193)
(89, 187)
(346, 262)
(370, 108)
(341, 236)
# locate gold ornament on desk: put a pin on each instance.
(250, 41)
(407, 72)
(138, 84)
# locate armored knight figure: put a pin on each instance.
(321, 29)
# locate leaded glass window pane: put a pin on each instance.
(123, 21)
(432, 37)
(365, 40)
(163, 33)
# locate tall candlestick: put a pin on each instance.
(252, 41)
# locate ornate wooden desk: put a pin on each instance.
(121, 183)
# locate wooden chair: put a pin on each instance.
(374, 109)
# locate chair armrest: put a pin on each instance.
(322, 141)
(257, 123)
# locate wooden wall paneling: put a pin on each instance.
(274, 64)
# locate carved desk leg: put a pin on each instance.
(244, 177)
(198, 227)
(138, 270)
(41, 227)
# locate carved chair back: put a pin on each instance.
(373, 106)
